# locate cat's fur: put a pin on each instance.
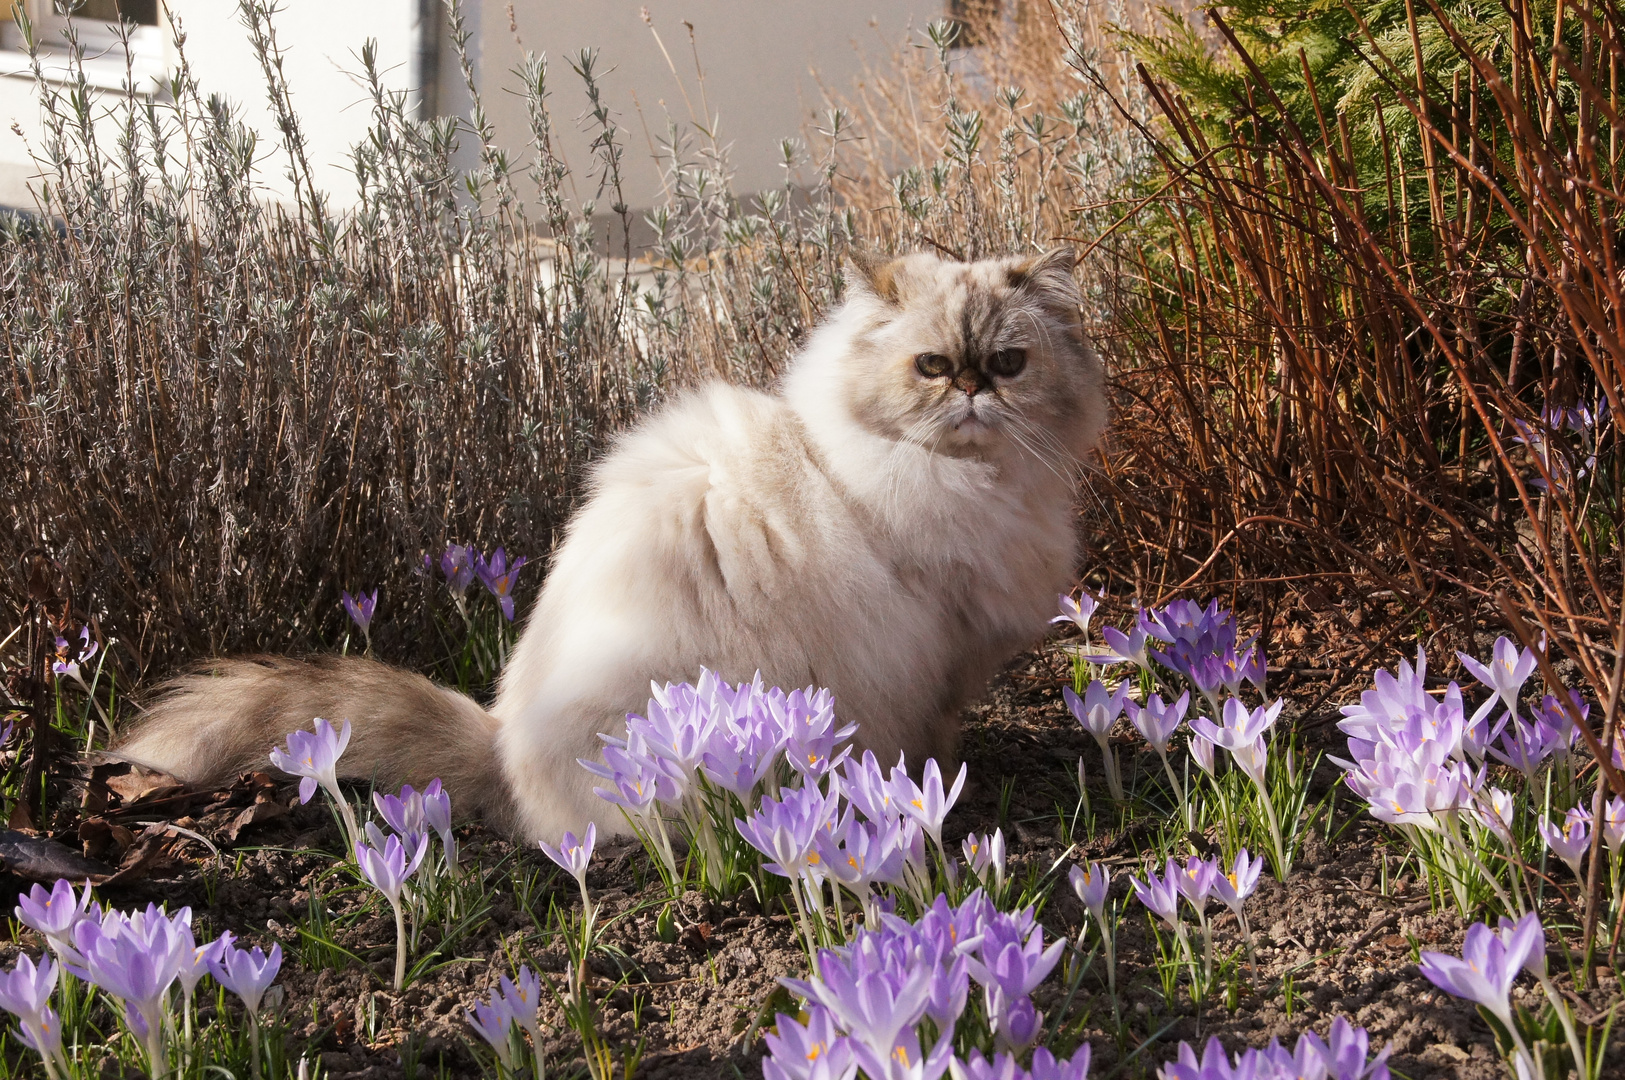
(890, 536)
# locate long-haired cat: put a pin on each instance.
(894, 523)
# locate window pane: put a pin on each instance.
(140, 12)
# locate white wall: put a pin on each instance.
(759, 59)
(321, 41)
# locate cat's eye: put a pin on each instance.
(1007, 363)
(933, 365)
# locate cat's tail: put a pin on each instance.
(224, 718)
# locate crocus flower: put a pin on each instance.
(25, 992)
(54, 914)
(863, 783)
(248, 973)
(1495, 810)
(403, 812)
(386, 868)
(498, 574)
(573, 855)
(1572, 840)
(1160, 895)
(859, 854)
(1097, 711)
(1099, 707)
(797, 1051)
(877, 1007)
(494, 1021)
(1613, 823)
(1197, 880)
(928, 803)
(1235, 887)
(457, 565)
(1123, 647)
(1485, 971)
(1158, 721)
(314, 758)
(986, 853)
(1506, 672)
(1078, 611)
(360, 608)
(1202, 751)
(1092, 884)
(1242, 726)
(69, 666)
(437, 815)
(523, 1000)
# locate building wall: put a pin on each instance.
(763, 60)
(321, 40)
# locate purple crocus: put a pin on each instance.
(1485, 971)
(386, 867)
(1235, 887)
(1078, 612)
(928, 803)
(493, 1020)
(54, 914)
(986, 853)
(313, 756)
(797, 1051)
(248, 973)
(1572, 840)
(25, 992)
(1092, 884)
(573, 855)
(457, 566)
(1196, 881)
(70, 666)
(360, 608)
(1506, 672)
(498, 575)
(863, 783)
(1160, 895)
(403, 812)
(1242, 726)
(1158, 721)
(523, 1000)
(437, 815)
(859, 854)
(1123, 647)
(786, 830)
(1613, 823)
(1097, 711)
(1009, 961)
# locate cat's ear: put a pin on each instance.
(875, 274)
(1049, 274)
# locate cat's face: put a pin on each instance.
(981, 359)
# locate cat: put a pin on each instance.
(893, 524)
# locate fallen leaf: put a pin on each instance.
(264, 809)
(102, 839)
(40, 859)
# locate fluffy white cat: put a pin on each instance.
(894, 523)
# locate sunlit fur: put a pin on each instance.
(865, 528)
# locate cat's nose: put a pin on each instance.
(970, 380)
